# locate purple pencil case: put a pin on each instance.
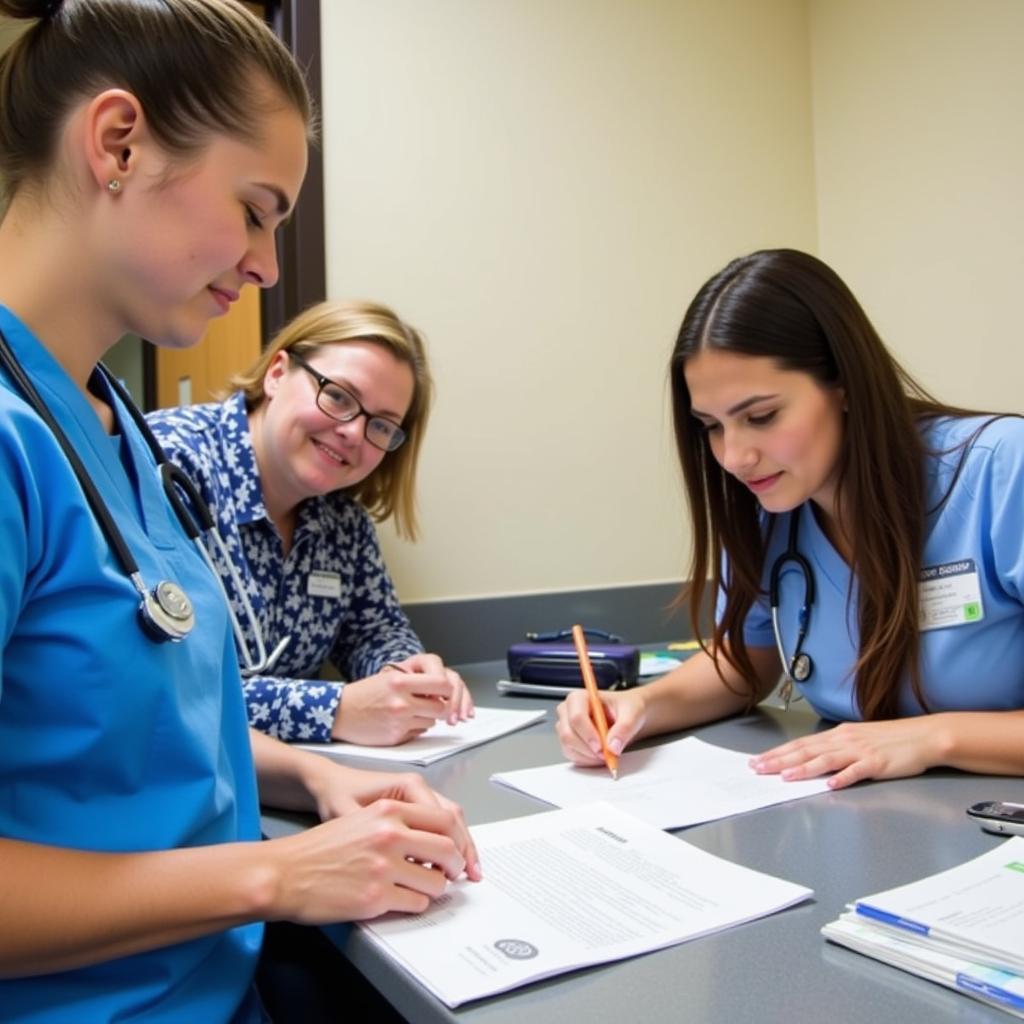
(553, 662)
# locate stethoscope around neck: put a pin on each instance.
(796, 666)
(165, 611)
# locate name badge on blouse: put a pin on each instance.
(323, 584)
(950, 595)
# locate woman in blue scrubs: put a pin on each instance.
(882, 529)
(149, 151)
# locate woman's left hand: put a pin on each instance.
(855, 751)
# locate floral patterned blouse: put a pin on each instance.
(332, 595)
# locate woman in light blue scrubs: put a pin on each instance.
(149, 151)
(883, 530)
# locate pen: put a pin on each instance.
(596, 707)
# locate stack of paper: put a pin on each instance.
(568, 889)
(963, 928)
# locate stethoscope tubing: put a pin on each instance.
(798, 666)
(198, 522)
(195, 517)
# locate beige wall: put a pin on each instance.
(541, 185)
(919, 145)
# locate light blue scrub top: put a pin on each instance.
(976, 666)
(108, 740)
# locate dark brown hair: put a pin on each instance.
(790, 307)
(198, 67)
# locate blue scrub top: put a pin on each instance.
(110, 741)
(974, 666)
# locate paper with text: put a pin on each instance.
(1002, 989)
(681, 783)
(440, 741)
(568, 889)
(975, 910)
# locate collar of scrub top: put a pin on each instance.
(798, 666)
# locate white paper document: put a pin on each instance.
(568, 889)
(685, 782)
(975, 910)
(440, 741)
(987, 984)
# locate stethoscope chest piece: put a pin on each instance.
(166, 612)
(802, 668)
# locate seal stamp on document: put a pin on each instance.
(517, 949)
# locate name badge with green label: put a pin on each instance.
(949, 595)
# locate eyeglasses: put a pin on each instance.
(343, 406)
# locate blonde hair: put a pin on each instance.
(390, 490)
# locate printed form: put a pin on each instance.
(975, 910)
(673, 785)
(568, 889)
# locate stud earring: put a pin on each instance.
(114, 186)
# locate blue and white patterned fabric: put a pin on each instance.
(358, 630)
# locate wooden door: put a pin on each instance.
(231, 343)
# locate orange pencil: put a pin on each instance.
(596, 707)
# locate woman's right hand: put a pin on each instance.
(392, 855)
(397, 705)
(578, 735)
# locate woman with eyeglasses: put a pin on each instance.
(320, 436)
(859, 538)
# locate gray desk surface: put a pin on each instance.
(842, 845)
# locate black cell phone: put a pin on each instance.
(999, 816)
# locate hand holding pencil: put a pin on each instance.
(596, 707)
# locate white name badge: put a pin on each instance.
(949, 595)
(323, 584)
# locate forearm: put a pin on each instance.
(292, 709)
(691, 695)
(365, 651)
(289, 779)
(986, 742)
(376, 630)
(63, 908)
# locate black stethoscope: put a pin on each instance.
(798, 666)
(165, 611)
